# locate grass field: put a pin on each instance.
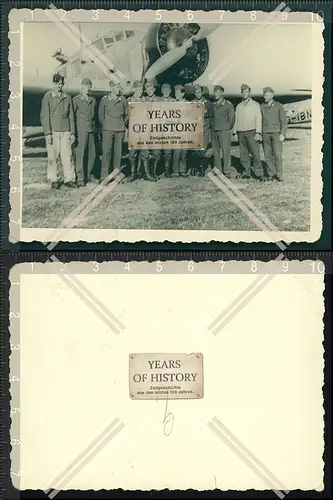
(188, 203)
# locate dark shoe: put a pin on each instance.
(246, 176)
(270, 179)
(149, 177)
(279, 179)
(261, 178)
(55, 185)
(132, 178)
(70, 184)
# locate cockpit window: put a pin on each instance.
(129, 34)
(109, 40)
(99, 44)
(119, 36)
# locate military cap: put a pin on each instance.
(166, 86)
(58, 78)
(137, 84)
(180, 87)
(245, 87)
(218, 87)
(86, 81)
(197, 87)
(150, 83)
(267, 89)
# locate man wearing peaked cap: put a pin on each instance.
(203, 155)
(223, 122)
(136, 155)
(57, 119)
(181, 96)
(85, 120)
(112, 114)
(167, 153)
(248, 129)
(274, 128)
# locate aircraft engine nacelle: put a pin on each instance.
(162, 37)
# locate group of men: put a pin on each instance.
(68, 121)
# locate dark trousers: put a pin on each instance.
(86, 143)
(142, 153)
(222, 140)
(273, 153)
(179, 161)
(205, 153)
(248, 145)
(112, 143)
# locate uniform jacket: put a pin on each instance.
(208, 113)
(223, 115)
(85, 113)
(57, 113)
(274, 118)
(112, 113)
(248, 117)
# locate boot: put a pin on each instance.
(168, 167)
(133, 175)
(148, 177)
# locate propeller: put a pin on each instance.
(174, 55)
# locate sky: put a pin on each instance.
(282, 53)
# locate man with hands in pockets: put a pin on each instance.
(57, 119)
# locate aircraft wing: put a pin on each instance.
(38, 86)
(286, 96)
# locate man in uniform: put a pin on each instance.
(248, 128)
(204, 154)
(112, 114)
(136, 154)
(223, 122)
(179, 155)
(151, 97)
(85, 114)
(57, 119)
(166, 97)
(274, 128)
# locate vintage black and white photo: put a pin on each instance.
(255, 177)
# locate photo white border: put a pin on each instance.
(17, 233)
